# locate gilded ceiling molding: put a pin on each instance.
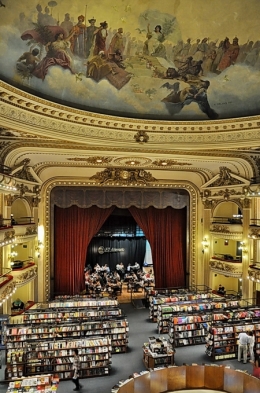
(98, 160)
(123, 177)
(34, 115)
(48, 221)
(141, 137)
(165, 163)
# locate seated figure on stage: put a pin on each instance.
(113, 283)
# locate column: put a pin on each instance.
(247, 285)
(207, 238)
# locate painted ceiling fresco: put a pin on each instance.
(174, 59)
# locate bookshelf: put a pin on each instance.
(177, 299)
(189, 329)
(115, 329)
(222, 340)
(56, 357)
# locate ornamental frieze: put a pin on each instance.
(123, 176)
(226, 268)
(254, 233)
(7, 290)
(27, 275)
(220, 228)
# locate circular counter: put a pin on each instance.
(207, 377)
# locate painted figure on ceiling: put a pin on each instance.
(101, 36)
(230, 55)
(78, 37)
(57, 54)
(117, 42)
(90, 36)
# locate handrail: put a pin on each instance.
(226, 220)
(255, 222)
(4, 271)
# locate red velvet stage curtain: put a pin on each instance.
(74, 228)
(165, 229)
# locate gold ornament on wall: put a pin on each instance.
(141, 137)
(125, 177)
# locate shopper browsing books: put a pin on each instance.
(242, 346)
(76, 369)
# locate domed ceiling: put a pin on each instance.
(173, 60)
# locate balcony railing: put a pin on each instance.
(255, 222)
(227, 220)
(227, 257)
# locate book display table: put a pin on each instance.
(158, 353)
(38, 383)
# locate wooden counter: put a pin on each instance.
(192, 377)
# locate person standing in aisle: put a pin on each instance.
(242, 346)
(76, 369)
(251, 345)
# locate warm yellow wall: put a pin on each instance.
(226, 209)
(22, 293)
(229, 283)
(220, 247)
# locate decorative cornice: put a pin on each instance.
(225, 178)
(32, 114)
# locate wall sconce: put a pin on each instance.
(38, 248)
(205, 245)
(12, 256)
(242, 247)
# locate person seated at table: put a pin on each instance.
(113, 284)
(97, 267)
(95, 285)
(87, 279)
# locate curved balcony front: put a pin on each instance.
(227, 267)
(25, 274)
(228, 228)
(254, 272)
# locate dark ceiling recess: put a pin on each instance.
(120, 223)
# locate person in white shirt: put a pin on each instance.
(251, 345)
(242, 346)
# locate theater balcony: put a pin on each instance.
(24, 274)
(7, 284)
(25, 229)
(254, 229)
(254, 271)
(226, 264)
(227, 227)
